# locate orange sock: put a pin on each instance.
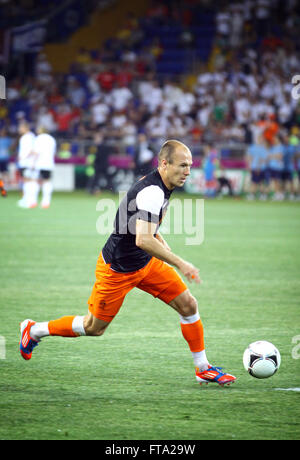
(194, 335)
(62, 327)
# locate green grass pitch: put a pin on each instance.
(137, 381)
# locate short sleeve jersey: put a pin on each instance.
(45, 148)
(25, 158)
(275, 163)
(258, 157)
(147, 200)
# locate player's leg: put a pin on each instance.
(193, 332)
(163, 281)
(262, 186)
(47, 188)
(191, 327)
(68, 326)
(30, 189)
(253, 186)
(22, 203)
(104, 303)
(3, 177)
(94, 326)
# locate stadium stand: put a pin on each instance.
(189, 69)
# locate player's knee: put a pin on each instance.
(94, 330)
(93, 326)
(190, 306)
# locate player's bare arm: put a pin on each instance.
(145, 240)
(163, 241)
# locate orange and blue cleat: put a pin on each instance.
(27, 343)
(214, 375)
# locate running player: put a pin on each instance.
(136, 255)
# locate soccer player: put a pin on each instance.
(210, 164)
(136, 255)
(275, 162)
(44, 148)
(5, 145)
(257, 158)
(289, 151)
(26, 165)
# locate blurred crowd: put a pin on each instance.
(244, 90)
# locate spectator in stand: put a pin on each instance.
(120, 97)
(83, 58)
(118, 121)
(153, 98)
(223, 24)
(157, 125)
(285, 111)
(124, 76)
(65, 116)
(45, 118)
(271, 130)
(245, 83)
(204, 114)
(129, 135)
(43, 70)
(75, 92)
(99, 111)
(237, 19)
(93, 84)
(263, 12)
(143, 158)
(54, 96)
(156, 48)
(157, 13)
(107, 78)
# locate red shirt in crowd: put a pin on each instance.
(106, 79)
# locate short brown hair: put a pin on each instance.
(168, 149)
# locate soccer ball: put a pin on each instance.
(261, 359)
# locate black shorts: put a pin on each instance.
(45, 174)
(21, 171)
(275, 174)
(287, 176)
(3, 166)
(257, 177)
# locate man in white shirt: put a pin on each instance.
(120, 97)
(99, 110)
(26, 163)
(44, 149)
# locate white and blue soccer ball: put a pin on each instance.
(261, 359)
